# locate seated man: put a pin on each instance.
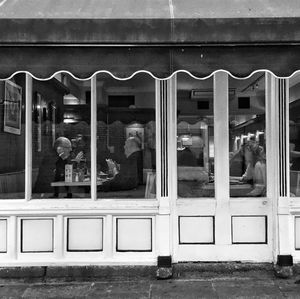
(185, 157)
(63, 148)
(126, 176)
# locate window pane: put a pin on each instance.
(247, 136)
(195, 137)
(126, 137)
(294, 113)
(61, 137)
(12, 137)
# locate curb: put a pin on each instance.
(179, 270)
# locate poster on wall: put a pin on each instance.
(12, 108)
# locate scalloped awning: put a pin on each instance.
(161, 62)
(161, 37)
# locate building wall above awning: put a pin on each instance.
(161, 62)
(148, 9)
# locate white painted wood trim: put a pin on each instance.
(287, 118)
(108, 236)
(59, 237)
(173, 185)
(172, 141)
(94, 137)
(221, 142)
(272, 155)
(221, 136)
(158, 139)
(272, 136)
(12, 235)
(28, 136)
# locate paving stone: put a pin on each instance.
(120, 290)
(182, 289)
(289, 288)
(57, 291)
(105, 273)
(22, 272)
(247, 289)
(207, 287)
(9, 291)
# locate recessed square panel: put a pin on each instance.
(297, 233)
(249, 229)
(196, 230)
(134, 234)
(37, 235)
(3, 235)
(85, 234)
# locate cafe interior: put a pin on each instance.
(126, 109)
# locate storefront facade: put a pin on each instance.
(210, 105)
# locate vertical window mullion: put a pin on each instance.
(94, 137)
(158, 98)
(28, 136)
(221, 133)
(287, 135)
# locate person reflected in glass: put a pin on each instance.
(254, 160)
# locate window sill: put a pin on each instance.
(78, 206)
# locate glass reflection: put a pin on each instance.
(12, 138)
(126, 165)
(294, 129)
(195, 137)
(61, 138)
(247, 154)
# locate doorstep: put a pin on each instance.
(187, 270)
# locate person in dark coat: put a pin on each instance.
(63, 148)
(126, 176)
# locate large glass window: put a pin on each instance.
(61, 137)
(247, 136)
(126, 163)
(294, 126)
(12, 138)
(195, 137)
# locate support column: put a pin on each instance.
(165, 99)
(284, 264)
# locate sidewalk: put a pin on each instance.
(185, 284)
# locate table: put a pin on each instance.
(79, 184)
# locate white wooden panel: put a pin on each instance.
(249, 229)
(85, 234)
(37, 235)
(134, 234)
(196, 230)
(297, 233)
(3, 235)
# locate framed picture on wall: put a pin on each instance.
(12, 108)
